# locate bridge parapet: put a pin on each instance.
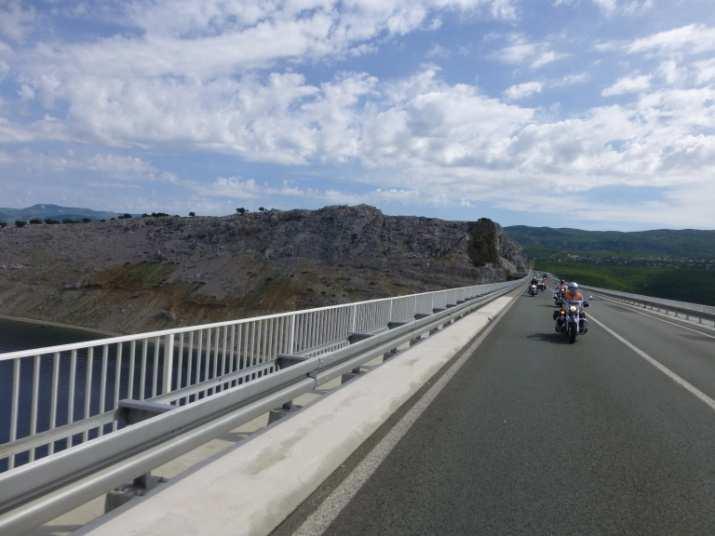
(67, 402)
(689, 311)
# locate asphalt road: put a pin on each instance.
(537, 437)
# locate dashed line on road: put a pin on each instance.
(658, 365)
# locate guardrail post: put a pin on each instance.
(168, 363)
(353, 319)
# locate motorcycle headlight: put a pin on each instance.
(572, 308)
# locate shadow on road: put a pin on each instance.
(554, 338)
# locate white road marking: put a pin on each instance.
(319, 521)
(655, 315)
(662, 368)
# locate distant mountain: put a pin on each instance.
(56, 212)
(670, 264)
(545, 241)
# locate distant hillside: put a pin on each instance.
(137, 274)
(686, 243)
(52, 211)
(670, 264)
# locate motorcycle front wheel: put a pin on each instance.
(572, 333)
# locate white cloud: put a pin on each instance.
(571, 80)
(437, 51)
(521, 51)
(48, 128)
(224, 76)
(15, 20)
(628, 84)
(691, 39)
(705, 71)
(521, 91)
(613, 7)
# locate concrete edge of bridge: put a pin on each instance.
(253, 488)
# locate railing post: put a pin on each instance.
(168, 363)
(353, 319)
(291, 337)
(389, 318)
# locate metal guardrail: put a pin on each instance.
(202, 390)
(677, 308)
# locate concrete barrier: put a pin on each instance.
(250, 489)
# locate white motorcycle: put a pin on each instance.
(533, 291)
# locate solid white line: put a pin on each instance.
(657, 364)
(656, 315)
(319, 521)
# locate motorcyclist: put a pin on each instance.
(573, 296)
(572, 293)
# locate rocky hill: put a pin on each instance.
(144, 273)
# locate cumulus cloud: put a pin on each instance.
(225, 77)
(628, 7)
(521, 91)
(690, 39)
(16, 20)
(628, 84)
(521, 51)
(612, 7)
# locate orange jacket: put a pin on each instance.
(573, 296)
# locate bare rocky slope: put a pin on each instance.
(131, 275)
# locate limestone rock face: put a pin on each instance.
(131, 275)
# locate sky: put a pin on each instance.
(597, 114)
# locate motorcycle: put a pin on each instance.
(558, 297)
(571, 319)
(533, 291)
(541, 286)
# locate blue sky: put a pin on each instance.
(591, 113)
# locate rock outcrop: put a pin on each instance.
(131, 275)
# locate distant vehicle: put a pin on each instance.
(533, 290)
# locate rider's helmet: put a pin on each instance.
(573, 286)
(562, 282)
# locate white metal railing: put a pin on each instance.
(56, 397)
(687, 310)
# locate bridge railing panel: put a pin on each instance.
(700, 312)
(55, 398)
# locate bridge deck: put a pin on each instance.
(535, 436)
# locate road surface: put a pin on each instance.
(536, 436)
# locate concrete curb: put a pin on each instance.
(252, 488)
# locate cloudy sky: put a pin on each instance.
(590, 113)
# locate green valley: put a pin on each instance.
(676, 264)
